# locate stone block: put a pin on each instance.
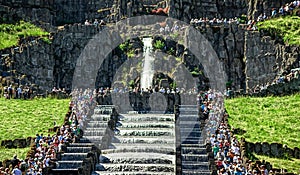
(257, 148)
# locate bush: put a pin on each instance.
(159, 44)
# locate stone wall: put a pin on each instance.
(188, 9)
(228, 42)
(29, 10)
(273, 149)
(54, 12)
(249, 59)
(58, 12)
(257, 7)
(67, 45)
(266, 58)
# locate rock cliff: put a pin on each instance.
(249, 57)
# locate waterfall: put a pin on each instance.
(148, 66)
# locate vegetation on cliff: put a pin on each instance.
(269, 119)
(10, 34)
(287, 28)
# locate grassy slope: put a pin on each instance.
(24, 118)
(292, 165)
(271, 119)
(11, 33)
(287, 27)
(9, 153)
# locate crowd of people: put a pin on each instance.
(47, 147)
(284, 78)
(17, 92)
(225, 147)
(95, 23)
(286, 9)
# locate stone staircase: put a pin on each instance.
(74, 159)
(194, 158)
(142, 144)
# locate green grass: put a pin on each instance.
(292, 165)
(271, 119)
(24, 118)
(11, 33)
(9, 153)
(288, 28)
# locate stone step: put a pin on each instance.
(194, 157)
(191, 133)
(95, 132)
(73, 156)
(191, 128)
(146, 117)
(131, 173)
(169, 151)
(142, 139)
(96, 124)
(90, 139)
(189, 117)
(143, 125)
(78, 149)
(65, 171)
(196, 172)
(102, 118)
(138, 167)
(188, 110)
(141, 149)
(187, 145)
(81, 145)
(193, 150)
(146, 133)
(67, 164)
(137, 158)
(190, 141)
(189, 124)
(191, 165)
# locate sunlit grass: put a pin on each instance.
(292, 165)
(286, 27)
(9, 153)
(11, 33)
(269, 119)
(24, 118)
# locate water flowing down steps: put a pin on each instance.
(143, 144)
(70, 162)
(194, 158)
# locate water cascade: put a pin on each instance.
(148, 68)
(144, 144)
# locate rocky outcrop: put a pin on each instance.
(257, 7)
(249, 57)
(265, 58)
(187, 9)
(228, 42)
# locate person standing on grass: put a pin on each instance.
(19, 92)
(10, 92)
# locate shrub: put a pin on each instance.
(159, 44)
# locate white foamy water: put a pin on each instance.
(148, 66)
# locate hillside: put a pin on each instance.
(270, 119)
